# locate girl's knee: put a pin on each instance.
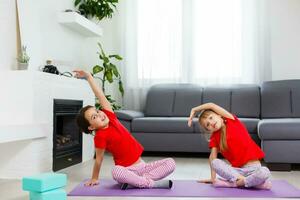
(265, 172)
(171, 163)
(215, 163)
(117, 172)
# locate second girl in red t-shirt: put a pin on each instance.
(232, 140)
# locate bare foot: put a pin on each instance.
(223, 183)
(240, 182)
(267, 185)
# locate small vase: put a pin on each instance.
(22, 66)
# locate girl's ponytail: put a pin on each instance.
(223, 142)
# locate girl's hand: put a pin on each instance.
(190, 120)
(206, 181)
(91, 182)
(81, 74)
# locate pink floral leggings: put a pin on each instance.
(143, 174)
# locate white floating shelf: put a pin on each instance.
(79, 24)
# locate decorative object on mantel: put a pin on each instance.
(70, 10)
(23, 58)
(50, 68)
(99, 9)
(110, 74)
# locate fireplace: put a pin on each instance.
(67, 139)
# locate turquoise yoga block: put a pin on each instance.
(58, 194)
(44, 182)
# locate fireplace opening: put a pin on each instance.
(67, 139)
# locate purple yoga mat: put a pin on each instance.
(186, 188)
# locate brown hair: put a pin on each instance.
(82, 122)
(223, 142)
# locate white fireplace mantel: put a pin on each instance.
(26, 123)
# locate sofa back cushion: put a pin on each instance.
(168, 100)
(243, 100)
(187, 96)
(217, 95)
(160, 100)
(280, 99)
(177, 100)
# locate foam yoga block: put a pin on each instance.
(44, 182)
(58, 194)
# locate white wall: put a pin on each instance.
(8, 35)
(285, 38)
(48, 40)
(55, 41)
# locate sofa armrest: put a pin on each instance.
(128, 114)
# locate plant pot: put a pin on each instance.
(22, 66)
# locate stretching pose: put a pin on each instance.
(232, 140)
(129, 170)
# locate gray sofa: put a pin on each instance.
(163, 124)
(279, 127)
(271, 112)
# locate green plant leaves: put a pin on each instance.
(110, 74)
(97, 69)
(23, 57)
(116, 56)
(112, 102)
(114, 69)
(77, 2)
(106, 60)
(121, 89)
(96, 8)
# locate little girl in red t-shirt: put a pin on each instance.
(129, 170)
(232, 140)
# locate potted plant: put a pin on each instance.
(23, 58)
(96, 8)
(110, 73)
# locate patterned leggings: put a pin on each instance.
(143, 174)
(254, 174)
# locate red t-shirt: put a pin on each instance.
(118, 141)
(240, 146)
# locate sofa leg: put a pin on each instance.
(279, 166)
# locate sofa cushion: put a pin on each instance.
(245, 101)
(161, 125)
(187, 96)
(296, 102)
(128, 114)
(276, 103)
(160, 100)
(279, 129)
(217, 95)
(280, 99)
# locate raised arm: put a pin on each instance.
(95, 87)
(209, 106)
